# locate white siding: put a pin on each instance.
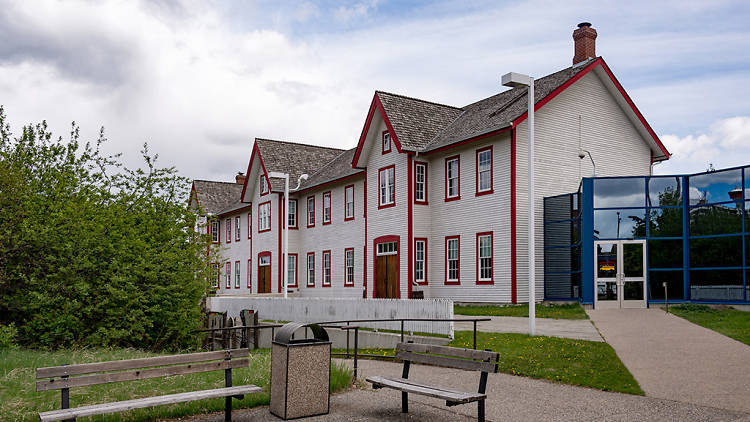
(234, 251)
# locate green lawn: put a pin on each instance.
(561, 311)
(20, 401)
(730, 322)
(577, 362)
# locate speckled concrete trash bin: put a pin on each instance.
(300, 373)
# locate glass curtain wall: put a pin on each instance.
(562, 247)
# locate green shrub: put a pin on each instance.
(8, 334)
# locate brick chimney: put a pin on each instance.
(585, 42)
(240, 178)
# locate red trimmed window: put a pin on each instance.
(237, 228)
(250, 274)
(420, 260)
(452, 259)
(264, 217)
(215, 238)
(452, 178)
(484, 171)
(326, 207)
(228, 225)
(311, 269)
(326, 269)
(250, 224)
(387, 183)
(214, 275)
(228, 275)
(292, 216)
(484, 258)
(420, 182)
(263, 185)
(236, 274)
(349, 203)
(386, 142)
(349, 267)
(310, 211)
(292, 270)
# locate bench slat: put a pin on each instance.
(410, 386)
(469, 365)
(100, 409)
(118, 365)
(58, 383)
(450, 351)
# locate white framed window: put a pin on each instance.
(310, 211)
(420, 182)
(387, 182)
(237, 228)
(214, 275)
(237, 274)
(311, 269)
(349, 202)
(452, 259)
(264, 260)
(228, 226)
(326, 207)
(386, 142)
(264, 217)
(349, 267)
(387, 248)
(326, 268)
(250, 274)
(452, 179)
(292, 270)
(420, 260)
(228, 275)
(215, 231)
(484, 170)
(292, 215)
(484, 257)
(263, 185)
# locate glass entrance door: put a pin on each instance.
(620, 274)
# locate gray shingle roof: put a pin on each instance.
(293, 158)
(215, 197)
(339, 167)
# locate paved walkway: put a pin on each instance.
(510, 398)
(674, 359)
(581, 329)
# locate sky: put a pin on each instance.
(198, 80)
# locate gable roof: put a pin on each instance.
(293, 158)
(339, 168)
(416, 121)
(216, 197)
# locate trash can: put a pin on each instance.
(300, 373)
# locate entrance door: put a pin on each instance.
(264, 274)
(386, 270)
(620, 274)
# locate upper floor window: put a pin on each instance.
(292, 216)
(452, 259)
(310, 211)
(327, 208)
(420, 259)
(326, 268)
(264, 217)
(452, 179)
(386, 142)
(386, 179)
(349, 202)
(420, 183)
(250, 223)
(484, 257)
(263, 185)
(484, 171)
(237, 220)
(214, 231)
(349, 267)
(228, 225)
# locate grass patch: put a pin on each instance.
(556, 311)
(20, 401)
(730, 322)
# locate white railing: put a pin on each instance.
(344, 309)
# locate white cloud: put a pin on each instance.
(356, 11)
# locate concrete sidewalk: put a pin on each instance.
(580, 329)
(674, 359)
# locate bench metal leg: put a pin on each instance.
(228, 399)
(404, 402)
(480, 410)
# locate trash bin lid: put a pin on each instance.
(284, 335)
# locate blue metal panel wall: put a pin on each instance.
(587, 238)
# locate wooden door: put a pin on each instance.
(264, 279)
(386, 284)
(392, 276)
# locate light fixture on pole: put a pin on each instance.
(285, 226)
(582, 154)
(516, 80)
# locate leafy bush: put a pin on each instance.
(93, 253)
(8, 334)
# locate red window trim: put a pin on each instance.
(353, 203)
(307, 211)
(458, 280)
(237, 228)
(228, 275)
(492, 171)
(330, 208)
(250, 223)
(346, 283)
(296, 270)
(296, 215)
(228, 229)
(445, 170)
(382, 142)
(307, 269)
(380, 172)
(423, 239)
(424, 201)
(323, 269)
(268, 186)
(250, 274)
(269, 217)
(237, 274)
(492, 258)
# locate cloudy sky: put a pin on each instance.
(199, 80)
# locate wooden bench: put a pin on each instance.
(66, 377)
(451, 357)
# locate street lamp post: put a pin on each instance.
(285, 227)
(515, 80)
